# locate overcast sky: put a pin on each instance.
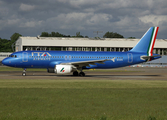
(130, 18)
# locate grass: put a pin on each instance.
(83, 99)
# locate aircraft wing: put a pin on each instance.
(87, 63)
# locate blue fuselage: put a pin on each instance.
(48, 59)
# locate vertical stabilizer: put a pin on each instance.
(146, 43)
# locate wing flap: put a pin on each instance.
(86, 62)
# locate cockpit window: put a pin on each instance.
(13, 56)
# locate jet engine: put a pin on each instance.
(61, 69)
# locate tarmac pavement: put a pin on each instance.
(125, 73)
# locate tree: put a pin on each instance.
(44, 34)
(57, 34)
(78, 35)
(15, 36)
(53, 34)
(112, 35)
(5, 45)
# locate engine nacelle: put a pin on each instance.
(63, 69)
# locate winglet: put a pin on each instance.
(146, 43)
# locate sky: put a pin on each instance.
(130, 18)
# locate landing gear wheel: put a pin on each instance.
(24, 74)
(81, 74)
(75, 73)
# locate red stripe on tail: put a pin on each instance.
(154, 41)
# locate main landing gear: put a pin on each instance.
(75, 73)
(81, 74)
(24, 72)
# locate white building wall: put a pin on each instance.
(3, 55)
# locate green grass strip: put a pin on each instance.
(83, 99)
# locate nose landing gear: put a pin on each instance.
(24, 72)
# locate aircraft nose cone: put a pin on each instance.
(5, 62)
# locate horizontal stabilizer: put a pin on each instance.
(148, 57)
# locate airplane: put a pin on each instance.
(63, 62)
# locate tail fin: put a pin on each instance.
(146, 43)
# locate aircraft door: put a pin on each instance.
(25, 57)
(130, 58)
